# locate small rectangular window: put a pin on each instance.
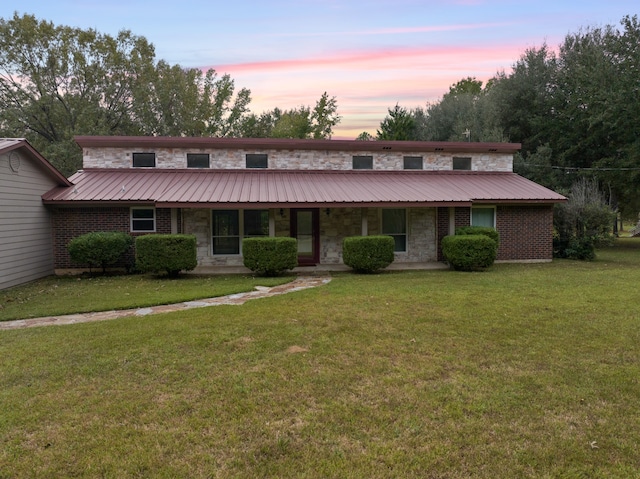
(394, 224)
(461, 163)
(197, 160)
(363, 162)
(485, 216)
(257, 160)
(412, 162)
(143, 220)
(144, 160)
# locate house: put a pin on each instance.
(319, 191)
(25, 223)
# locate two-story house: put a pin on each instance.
(318, 191)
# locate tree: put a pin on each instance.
(583, 223)
(59, 81)
(301, 122)
(397, 125)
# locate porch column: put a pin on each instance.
(174, 221)
(365, 221)
(452, 221)
(272, 222)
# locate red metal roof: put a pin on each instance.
(254, 188)
(293, 144)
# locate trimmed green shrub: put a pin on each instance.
(367, 254)
(100, 248)
(270, 256)
(469, 252)
(158, 253)
(479, 230)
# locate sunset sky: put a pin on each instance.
(370, 55)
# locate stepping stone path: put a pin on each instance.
(300, 283)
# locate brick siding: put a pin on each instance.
(526, 232)
(69, 223)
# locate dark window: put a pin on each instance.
(226, 232)
(256, 223)
(461, 163)
(363, 162)
(144, 160)
(143, 219)
(394, 224)
(197, 160)
(412, 162)
(257, 160)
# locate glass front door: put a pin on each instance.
(304, 227)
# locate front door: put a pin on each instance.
(305, 228)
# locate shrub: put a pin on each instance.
(100, 248)
(159, 253)
(479, 230)
(469, 252)
(367, 254)
(270, 256)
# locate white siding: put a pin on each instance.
(26, 249)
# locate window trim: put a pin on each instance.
(139, 154)
(359, 159)
(132, 219)
(414, 159)
(406, 229)
(254, 158)
(194, 155)
(460, 158)
(485, 207)
(241, 230)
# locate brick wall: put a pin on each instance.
(71, 222)
(526, 232)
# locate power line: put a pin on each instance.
(576, 168)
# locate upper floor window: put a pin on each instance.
(144, 160)
(257, 160)
(143, 220)
(197, 160)
(412, 162)
(363, 162)
(460, 163)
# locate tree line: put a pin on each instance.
(575, 109)
(57, 82)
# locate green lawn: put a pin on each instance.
(521, 371)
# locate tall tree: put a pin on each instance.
(301, 122)
(397, 125)
(59, 81)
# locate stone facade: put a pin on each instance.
(174, 158)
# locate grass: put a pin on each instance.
(521, 371)
(81, 294)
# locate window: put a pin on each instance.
(197, 160)
(412, 162)
(485, 216)
(461, 163)
(230, 226)
(257, 160)
(363, 162)
(144, 160)
(143, 219)
(256, 223)
(394, 223)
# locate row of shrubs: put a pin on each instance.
(471, 249)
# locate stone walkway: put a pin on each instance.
(298, 284)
